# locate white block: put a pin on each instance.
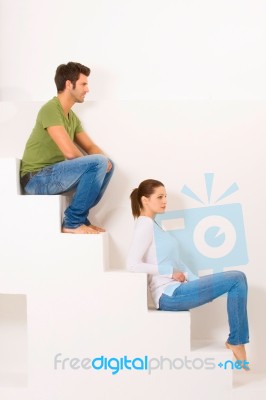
(9, 176)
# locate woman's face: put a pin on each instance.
(155, 204)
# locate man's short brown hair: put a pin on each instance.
(69, 72)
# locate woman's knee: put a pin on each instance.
(241, 279)
(241, 275)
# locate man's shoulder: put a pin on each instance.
(50, 105)
(49, 110)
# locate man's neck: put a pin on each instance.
(66, 102)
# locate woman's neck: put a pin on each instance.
(146, 214)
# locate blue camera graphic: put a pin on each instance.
(210, 237)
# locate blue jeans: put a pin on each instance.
(86, 175)
(207, 288)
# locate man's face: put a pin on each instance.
(81, 89)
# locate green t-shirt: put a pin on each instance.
(41, 151)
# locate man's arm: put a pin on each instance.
(83, 141)
(69, 149)
(63, 141)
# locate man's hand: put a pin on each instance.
(85, 142)
(109, 166)
(179, 276)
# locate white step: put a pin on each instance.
(66, 301)
(9, 176)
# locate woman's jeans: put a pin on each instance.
(86, 175)
(207, 288)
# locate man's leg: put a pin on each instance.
(106, 181)
(84, 174)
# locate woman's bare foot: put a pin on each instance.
(97, 228)
(239, 352)
(82, 229)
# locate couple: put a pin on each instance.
(60, 157)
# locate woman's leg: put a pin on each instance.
(205, 289)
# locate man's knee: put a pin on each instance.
(95, 159)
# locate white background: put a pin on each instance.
(177, 89)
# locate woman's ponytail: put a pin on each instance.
(135, 204)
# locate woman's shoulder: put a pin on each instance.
(145, 221)
(143, 231)
(144, 224)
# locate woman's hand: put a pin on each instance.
(179, 276)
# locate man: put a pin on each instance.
(53, 163)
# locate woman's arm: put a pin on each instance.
(143, 240)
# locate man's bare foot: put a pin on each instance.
(239, 352)
(82, 229)
(97, 228)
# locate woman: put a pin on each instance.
(173, 286)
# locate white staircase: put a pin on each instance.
(57, 297)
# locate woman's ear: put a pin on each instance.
(144, 200)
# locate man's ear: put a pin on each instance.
(68, 84)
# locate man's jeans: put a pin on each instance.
(207, 288)
(86, 175)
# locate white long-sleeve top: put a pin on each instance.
(156, 252)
